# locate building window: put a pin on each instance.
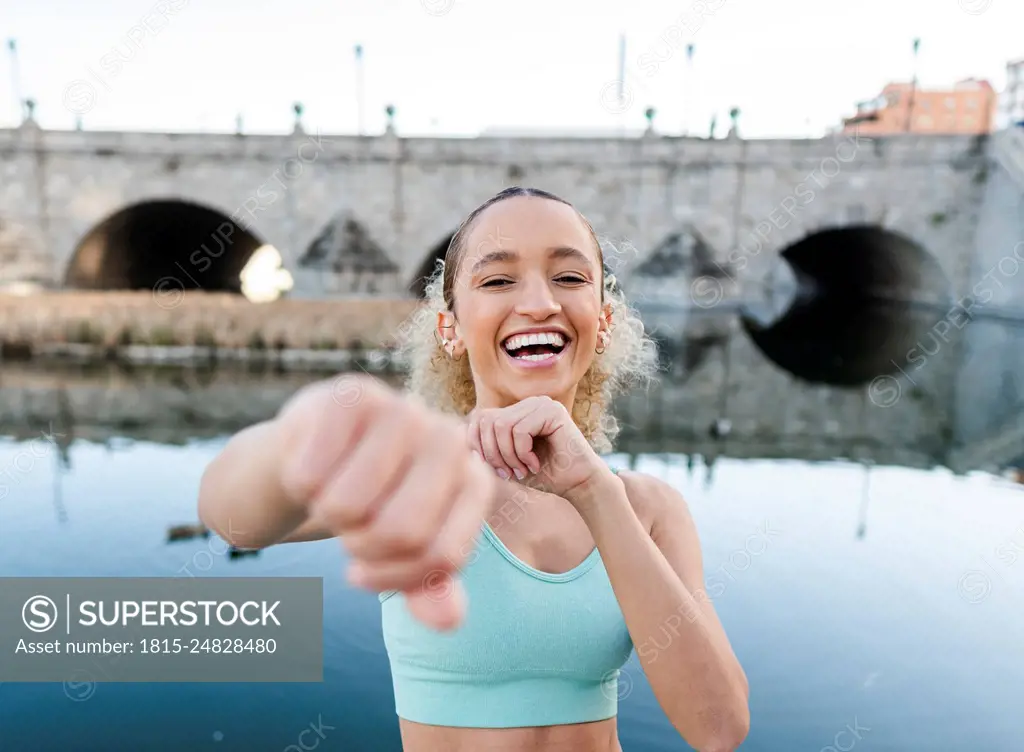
(925, 121)
(950, 103)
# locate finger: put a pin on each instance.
(458, 537)
(523, 434)
(442, 613)
(404, 518)
(503, 425)
(369, 473)
(452, 545)
(409, 519)
(405, 574)
(319, 433)
(490, 450)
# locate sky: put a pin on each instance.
(461, 67)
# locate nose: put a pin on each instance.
(537, 300)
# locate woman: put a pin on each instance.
(515, 569)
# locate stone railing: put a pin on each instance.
(210, 320)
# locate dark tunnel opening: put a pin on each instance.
(141, 245)
(867, 262)
(864, 297)
(418, 286)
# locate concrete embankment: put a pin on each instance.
(198, 326)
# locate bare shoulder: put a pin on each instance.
(664, 512)
(653, 499)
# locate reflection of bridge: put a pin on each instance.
(369, 215)
(963, 407)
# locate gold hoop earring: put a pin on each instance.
(602, 340)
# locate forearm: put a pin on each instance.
(240, 494)
(693, 673)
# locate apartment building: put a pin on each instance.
(970, 107)
(1011, 101)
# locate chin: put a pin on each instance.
(540, 384)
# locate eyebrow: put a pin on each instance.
(558, 252)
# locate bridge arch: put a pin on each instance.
(865, 260)
(418, 284)
(860, 296)
(174, 241)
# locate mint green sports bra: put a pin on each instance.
(535, 649)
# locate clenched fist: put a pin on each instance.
(398, 483)
(536, 436)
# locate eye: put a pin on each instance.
(495, 282)
(571, 279)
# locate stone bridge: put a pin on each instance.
(368, 215)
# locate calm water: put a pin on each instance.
(863, 585)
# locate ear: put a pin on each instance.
(448, 332)
(445, 325)
(605, 324)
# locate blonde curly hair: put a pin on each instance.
(629, 359)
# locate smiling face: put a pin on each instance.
(527, 301)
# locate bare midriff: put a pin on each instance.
(599, 736)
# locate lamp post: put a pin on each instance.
(688, 89)
(913, 88)
(621, 92)
(359, 89)
(734, 115)
(19, 103)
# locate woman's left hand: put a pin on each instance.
(536, 436)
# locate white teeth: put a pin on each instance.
(544, 356)
(542, 338)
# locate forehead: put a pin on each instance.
(530, 226)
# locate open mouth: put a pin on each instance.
(534, 348)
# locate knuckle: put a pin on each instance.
(339, 516)
(446, 559)
(298, 482)
(405, 537)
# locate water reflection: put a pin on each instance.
(960, 407)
